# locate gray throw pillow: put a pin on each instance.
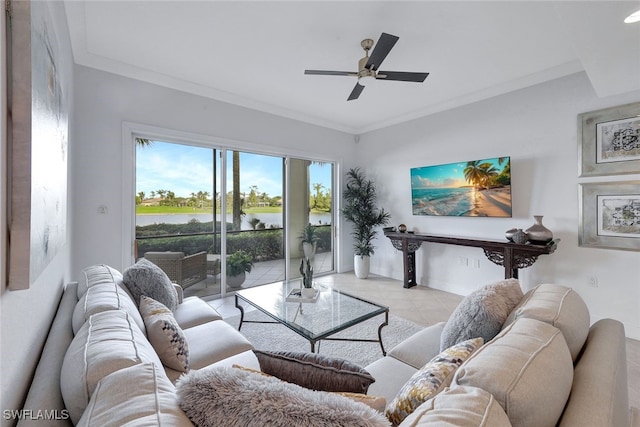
(146, 278)
(315, 371)
(481, 313)
(234, 397)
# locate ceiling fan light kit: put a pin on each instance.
(368, 66)
(633, 18)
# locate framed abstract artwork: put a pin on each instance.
(609, 141)
(37, 148)
(610, 215)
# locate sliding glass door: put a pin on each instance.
(255, 219)
(196, 203)
(310, 207)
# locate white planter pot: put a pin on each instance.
(309, 250)
(361, 266)
(236, 281)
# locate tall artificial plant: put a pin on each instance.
(360, 209)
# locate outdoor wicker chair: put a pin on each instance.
(181, 269)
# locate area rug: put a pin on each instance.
(274, 336)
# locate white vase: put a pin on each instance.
(308, 292)
(309, 250)
(361, 266)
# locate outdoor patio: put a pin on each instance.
(262, 273)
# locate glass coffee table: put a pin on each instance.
(332, 311)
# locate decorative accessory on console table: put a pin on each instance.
(519, 237)
(538, 233)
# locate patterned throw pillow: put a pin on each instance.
(430, 380)
(165, 335)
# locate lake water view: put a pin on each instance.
(269, 219)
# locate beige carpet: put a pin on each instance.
(279, 337)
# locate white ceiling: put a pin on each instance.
(254, 53)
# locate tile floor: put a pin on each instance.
(427, 306)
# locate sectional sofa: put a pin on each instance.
(547, 366)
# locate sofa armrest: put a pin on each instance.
(600, 393)
(180, 292)
(44, 393)
(419, 348)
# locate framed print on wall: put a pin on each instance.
(38, 143)
(610, 215)
(610, 141)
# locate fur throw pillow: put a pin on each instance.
(481, 313)
(146, 278)
(233, 397)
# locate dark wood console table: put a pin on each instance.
(511, 256)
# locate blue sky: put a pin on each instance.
(445, 176)
(186, 169)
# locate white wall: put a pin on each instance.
(105, 101)
(537, 127)
(26, 315)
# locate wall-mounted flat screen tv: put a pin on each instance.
(474, 188)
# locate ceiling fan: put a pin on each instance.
(368, 66)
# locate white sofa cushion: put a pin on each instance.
(459, 407)
(527, 368)
(165, 334)
(102, 297)
(390, 374)
(559, 306)
(107, 342)
(210, 343)
(134, 396)
(96, 274)
(193, 311)
(419, 348)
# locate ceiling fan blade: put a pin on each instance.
(381, 50)
(330, 73)
(355, 93)
(401, 76)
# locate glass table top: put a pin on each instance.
(333, 310)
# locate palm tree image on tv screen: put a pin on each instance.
(474, 188)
